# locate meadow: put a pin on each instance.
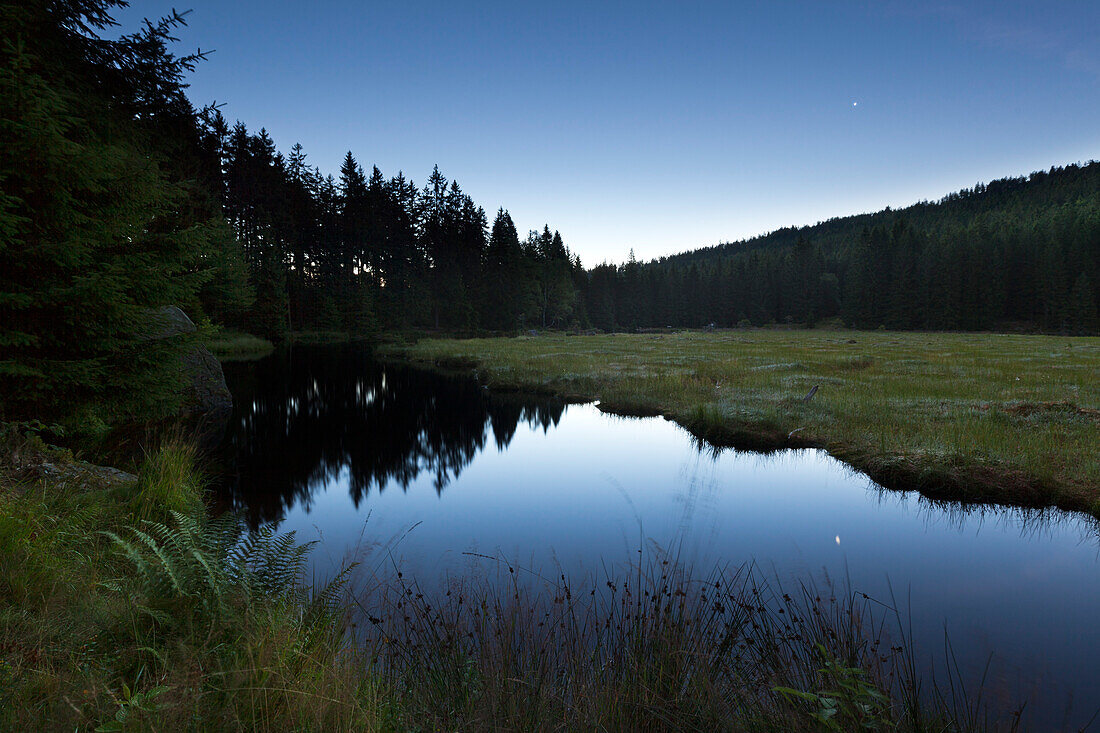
(1011, 419)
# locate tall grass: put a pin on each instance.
(229, 345)
(126, 608)
(655, 647)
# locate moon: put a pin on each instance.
(855, 104)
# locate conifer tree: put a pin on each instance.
(97, 227)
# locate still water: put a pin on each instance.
(427, 472)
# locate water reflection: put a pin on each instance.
(1027, 522)
(321, 439)
(306, 416)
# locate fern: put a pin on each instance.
(199, 566)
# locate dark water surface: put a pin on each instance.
(420, 469)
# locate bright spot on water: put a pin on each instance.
(838, 539)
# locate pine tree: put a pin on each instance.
(354, 248)
(97, 226)
(1082, 303)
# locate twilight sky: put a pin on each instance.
(663, 126)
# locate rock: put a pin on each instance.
(207, 403)
(169, 321)
(87, 476)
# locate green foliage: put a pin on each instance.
(194, 569)
(229, 345)
(136, 710)
(98, 229)
(110, 621)
(227, 295)
(848, 701)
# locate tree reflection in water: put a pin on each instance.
(304, 416)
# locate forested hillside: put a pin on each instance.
(367, 253)
(1014, 253)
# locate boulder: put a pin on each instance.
(33, 460)
(85, 475)
(207, 403)
(169, 321)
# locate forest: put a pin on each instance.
(120, 195)
(360, 252)
(1016, 254)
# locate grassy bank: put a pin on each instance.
(125, 606)
(982, 417)
(229, 345)
(121, 608)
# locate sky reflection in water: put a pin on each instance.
(388, 464)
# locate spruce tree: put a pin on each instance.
(97, 227)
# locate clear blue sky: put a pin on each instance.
(670, 126)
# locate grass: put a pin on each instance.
(230, 345)
(656, 646)
(1010, 419)
(315, 338)
(127, 606)
(108, 619)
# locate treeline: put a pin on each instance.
(1019, 253)
(361, 253)
(118, 196)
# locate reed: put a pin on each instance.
(654, 646)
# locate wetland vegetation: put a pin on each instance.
(984, 417)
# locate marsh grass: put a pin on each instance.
(977, 417)
(168, 482)
(656, 646)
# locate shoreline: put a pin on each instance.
(936, 476)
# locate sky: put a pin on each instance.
(662, 127)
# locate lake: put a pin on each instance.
(434, 474)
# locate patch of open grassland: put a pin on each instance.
(230, 345)
(986, 417)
